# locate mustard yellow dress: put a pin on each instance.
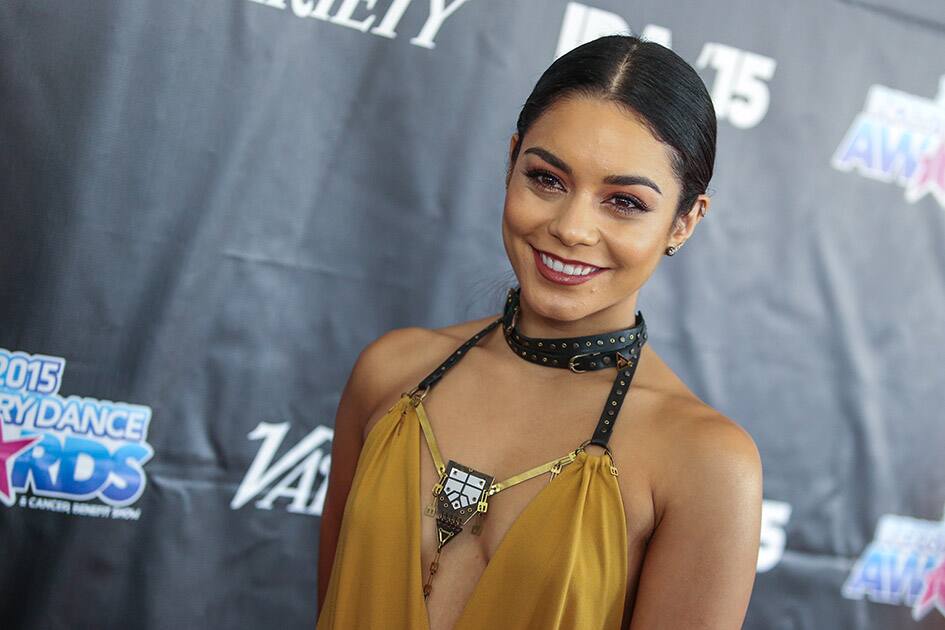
(562, 564)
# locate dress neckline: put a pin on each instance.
(416, 494)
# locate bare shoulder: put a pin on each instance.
(414, 346)
(706, 437)
(710, 463)
(701, 449)
(707, 498)
(401, 357)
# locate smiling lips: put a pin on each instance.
(560, 272)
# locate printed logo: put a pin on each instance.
(904, 565)
(898, 138)
(63, 453)
(293, 475)
(438, 11)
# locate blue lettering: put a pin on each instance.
(37, 463)
(898, 158)
(117, 422)
(98, 463)
(86, 469)
(127, 476)
(859, 151)
(867, 576)
(92, 419)
(70, 418)
(50, 408)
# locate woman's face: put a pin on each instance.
(590, 184)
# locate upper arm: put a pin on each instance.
(700, 564)
(368, 382)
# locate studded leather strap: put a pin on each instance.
(433, 377)
(619, 349)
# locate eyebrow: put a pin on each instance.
(617, 180)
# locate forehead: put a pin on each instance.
(597, 137)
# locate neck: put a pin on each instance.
(615, 317)
(612, 347)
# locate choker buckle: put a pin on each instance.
(577, 356)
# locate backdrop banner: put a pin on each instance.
(210, 208)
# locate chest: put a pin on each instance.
(504, 433)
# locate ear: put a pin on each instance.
(684, 225)
(508, 172)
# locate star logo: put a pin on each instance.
(9, 449)
(933, 593)
(929, 176)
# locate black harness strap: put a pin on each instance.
(619, 349)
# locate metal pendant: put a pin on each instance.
(462, 493)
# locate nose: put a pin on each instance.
(576, 222)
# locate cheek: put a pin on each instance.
(635, 247)
(523, 213)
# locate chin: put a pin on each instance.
(552, 303)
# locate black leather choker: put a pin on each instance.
(619, 349)
(579, 354)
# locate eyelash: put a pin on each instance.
(536, 174)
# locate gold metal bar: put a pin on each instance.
(557, 463)
(431, 439)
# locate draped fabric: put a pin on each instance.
(562, 563)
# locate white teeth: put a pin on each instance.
(571, 270)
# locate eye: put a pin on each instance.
(632, 205)
(542, 178)
(627, 205)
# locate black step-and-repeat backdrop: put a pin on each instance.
(209, 208)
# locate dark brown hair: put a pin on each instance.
(654, 84)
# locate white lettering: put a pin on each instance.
(391, 19)
(263, 472)
(303, 8)
(343, 17)
(582, 24)
(127, 513)
(774, 518)
(439, 11)
(322, 9)
(659, 34)
(279, 4)
(299, 492)
(740, 92)
(91, 509)
(49, 505)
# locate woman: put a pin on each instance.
(649, 514)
